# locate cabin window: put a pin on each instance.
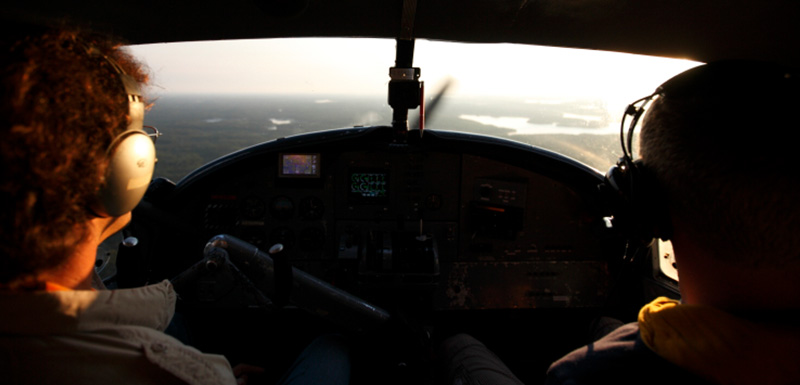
(666, 259)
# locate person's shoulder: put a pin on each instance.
(618, 345)
(620, 357)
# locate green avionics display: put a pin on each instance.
(369, 186)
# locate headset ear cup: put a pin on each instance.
(637, 202)
(131, 155)
(617, 194)
(130, 169)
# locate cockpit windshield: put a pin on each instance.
(213, 98)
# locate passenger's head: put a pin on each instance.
(61, 108)
(720, 141)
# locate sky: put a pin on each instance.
(361, 66)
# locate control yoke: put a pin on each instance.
(258, 270)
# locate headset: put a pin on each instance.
(638, 203)
(131, 155)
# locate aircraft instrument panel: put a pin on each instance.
(447, 221)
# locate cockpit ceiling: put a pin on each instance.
(699, 30)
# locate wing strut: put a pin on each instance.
(404, 86)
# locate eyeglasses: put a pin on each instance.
(153, 135)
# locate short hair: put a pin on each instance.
(721, 146)
(62, 106)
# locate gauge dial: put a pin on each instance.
(281, 207)
(253, 208)
(311, 208)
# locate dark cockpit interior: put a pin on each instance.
(396, 237)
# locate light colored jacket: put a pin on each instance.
(106, 336)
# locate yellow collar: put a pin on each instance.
(719, 346)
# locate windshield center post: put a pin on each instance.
(404, 87)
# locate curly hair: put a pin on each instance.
(62, 107)
(723, 152)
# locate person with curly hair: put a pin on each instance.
(70, 106)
